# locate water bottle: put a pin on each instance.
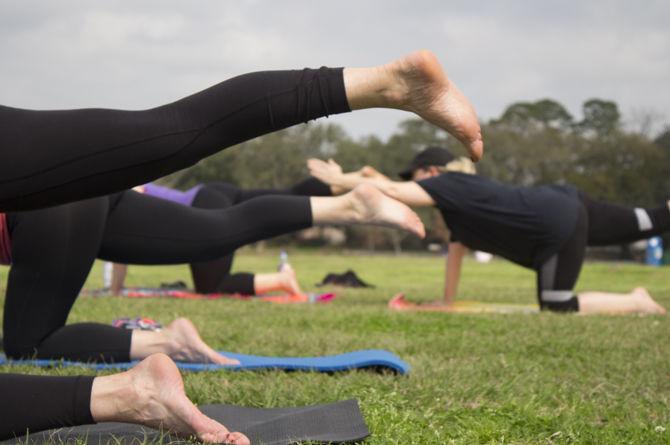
(107, 274)
(655, 251)
(283, 260)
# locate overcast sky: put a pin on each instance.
(141, 53)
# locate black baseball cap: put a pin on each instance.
(429, 156)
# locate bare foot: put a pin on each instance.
(289, 282)
(417, 83)
(152, 394)
(645, 303)
(374, 207)
(187, 345)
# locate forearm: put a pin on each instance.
(453, 271)
(409, 193)
(119, 272)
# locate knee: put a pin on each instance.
(17, 350)
(559, 301)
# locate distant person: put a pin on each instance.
(211, 277)
(544, 228)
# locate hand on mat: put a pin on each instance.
(187, 346)
(398, 303)
(152, 394)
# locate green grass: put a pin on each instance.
(484, 378)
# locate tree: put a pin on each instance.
(530, 117)
(601, 117)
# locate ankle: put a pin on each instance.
(375, 87)
(355, 209)
(113, 398)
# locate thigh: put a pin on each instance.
(207, 275)
(52, 252)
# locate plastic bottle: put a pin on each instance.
(283, 260)
(655, 251)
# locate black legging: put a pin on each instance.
(598, 224)
(214, 276)
(53, 251)
(52, 157)
(36, 403)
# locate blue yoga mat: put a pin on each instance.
(370, 358)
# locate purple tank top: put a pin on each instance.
(184, 198)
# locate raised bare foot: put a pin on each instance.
(187, 345)
(152, 394)
(373, 207)
(645, 303)
(417, 83)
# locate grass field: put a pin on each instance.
(494, 378)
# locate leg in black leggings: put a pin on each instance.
(214, 276)
(38, 403)
(147, 230)
(51, 157)
(557, 276)
(611, 224)
(53, 250)
(150, 394)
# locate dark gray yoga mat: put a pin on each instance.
(340, 422)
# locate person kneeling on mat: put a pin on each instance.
(545, 228)
(51, 252)
(212, 277)
(150, 394)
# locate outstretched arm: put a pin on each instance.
(453, 271)
(119, 272)
(409, 193)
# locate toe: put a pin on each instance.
(476, 150)
(238, 439)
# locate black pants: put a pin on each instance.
(53, 251)
(598, 224)
(37, 403)
(52, 157)
(214, 276)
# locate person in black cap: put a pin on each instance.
(545, 228)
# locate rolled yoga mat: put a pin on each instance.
(374, 359)
(339, 422)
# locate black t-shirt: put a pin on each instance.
(526, 225)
